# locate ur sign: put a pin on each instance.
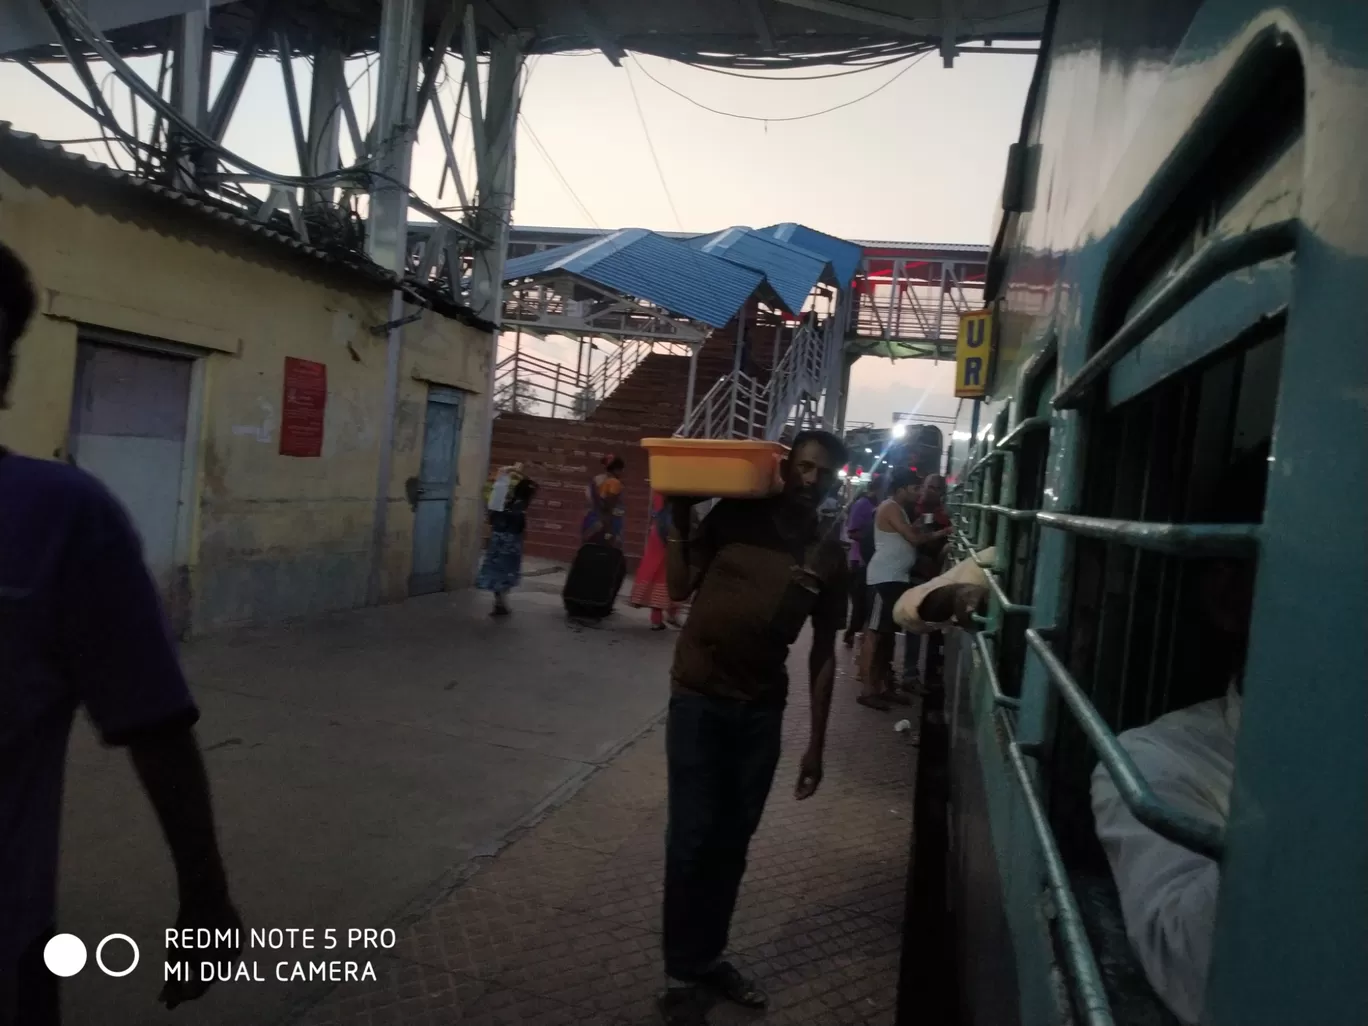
(301, 413)
(974, 354)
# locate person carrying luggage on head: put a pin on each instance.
(758, 571)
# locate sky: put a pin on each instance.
(921, 159)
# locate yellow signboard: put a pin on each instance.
(974, 354)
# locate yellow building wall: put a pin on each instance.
(273, 536)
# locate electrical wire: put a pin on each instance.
(786, 61)
(565, 184)
(793, 117)
(660, 171)
(76, 21)
(105, 134)
(337, 107)
(764, 77)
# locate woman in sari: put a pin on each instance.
(603, 523)
(649, 590)
(501, 568)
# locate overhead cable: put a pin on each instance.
(565, 184)
(793, 117)
(93, 38)
(660, 171)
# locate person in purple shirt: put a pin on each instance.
(81, 625)
(858, 522)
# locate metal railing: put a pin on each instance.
(1184, 540)
(525, 383)
(737, 406)
(1166, 821)
(1087, 980)
(740, 406)
(915, 299)
(1212, 262)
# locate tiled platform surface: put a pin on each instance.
(562, 926)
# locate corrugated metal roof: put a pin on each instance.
(791, 271)
(640, 263)
(844, 256)
(46, 165)
(38, 153)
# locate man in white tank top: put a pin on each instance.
(889, 575)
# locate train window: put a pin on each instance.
(1166, 442)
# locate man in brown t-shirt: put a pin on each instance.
(757, 572)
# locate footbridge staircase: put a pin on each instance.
(738, 334)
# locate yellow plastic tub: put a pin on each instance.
(722, 467)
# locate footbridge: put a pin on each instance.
(789, 308)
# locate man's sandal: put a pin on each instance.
(726, 980)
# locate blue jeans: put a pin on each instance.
(721, 755)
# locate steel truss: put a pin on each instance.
(173, 131)
(577, 308)
(912, 303)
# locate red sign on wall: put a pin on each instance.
(301, 415)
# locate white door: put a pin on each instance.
(128, 421)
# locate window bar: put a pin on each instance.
(1000, 697)
(1172, 824)
(1013, 438)
(991, 492)
(999, 593)
(1078, 954)
(982, 462)
(1002, 511)
(1171, 539)
(1212, 262)
(1146, 503)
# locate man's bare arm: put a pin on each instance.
(171, 769)
(822, 672)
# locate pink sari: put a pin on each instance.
(650, 588)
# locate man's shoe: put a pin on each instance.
(683, 1006)
(726, 980)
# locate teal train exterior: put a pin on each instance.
(1179, 278)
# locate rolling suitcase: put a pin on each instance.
(594, 580)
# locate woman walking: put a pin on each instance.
(501, 568)
(649, 589)
(603, 522)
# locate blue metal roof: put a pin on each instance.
(844, 256)
(792, 272)
(648, 266)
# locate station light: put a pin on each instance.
(899, 430)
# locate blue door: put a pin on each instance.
(436, 481)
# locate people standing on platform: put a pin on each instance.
(651, 589)
(888, 575)
(501, 567)
(81, 625)
(758, 571)
(859, 533)
(603, 523)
